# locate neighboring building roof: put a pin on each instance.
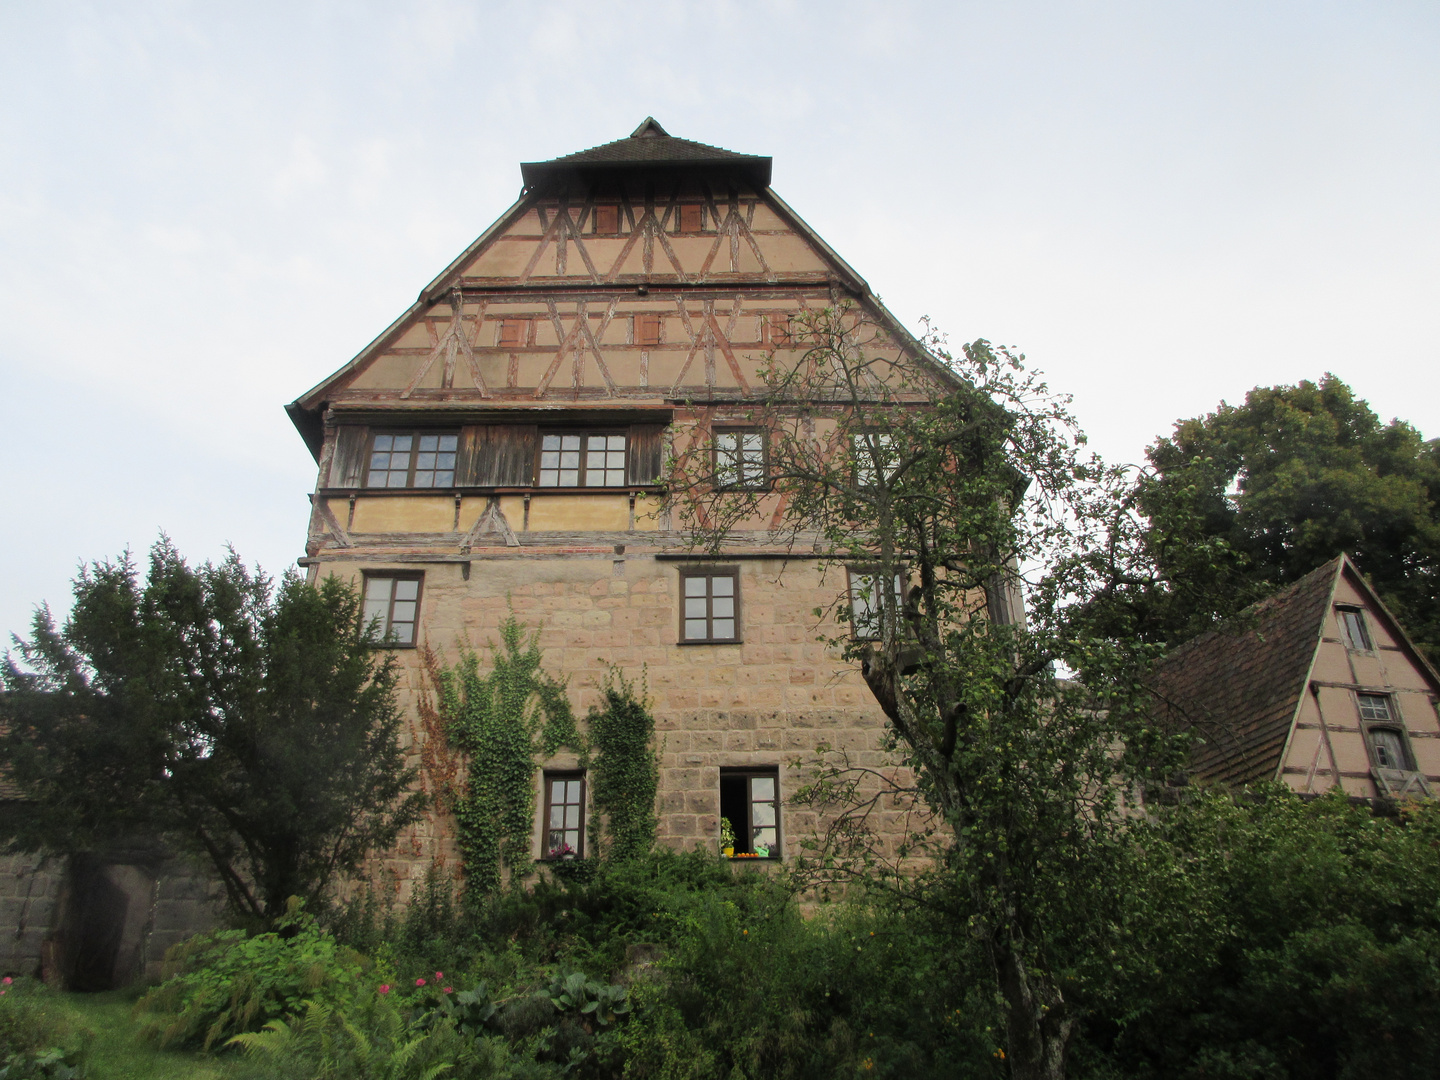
(1239, 686)
(649, 145)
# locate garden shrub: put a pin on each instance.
(229, 983)
(36, 1038)
(1281, 937)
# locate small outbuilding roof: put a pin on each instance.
(1238, 686)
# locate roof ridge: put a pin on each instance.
(1236, 622)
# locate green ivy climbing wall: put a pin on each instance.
(624, 771)
(503, 722)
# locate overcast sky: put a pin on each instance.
(207, 208)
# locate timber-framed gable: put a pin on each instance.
(504, 442)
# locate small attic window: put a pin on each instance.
(1353, 630)
(607, 220)
(692, 217)
(647, 329)
(513, 333)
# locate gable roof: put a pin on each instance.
(648, 145)
(1239, 686)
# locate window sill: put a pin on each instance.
(712, 641)
(752, 858)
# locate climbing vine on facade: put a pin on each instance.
(624, 771)
(503, 722)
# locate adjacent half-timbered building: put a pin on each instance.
(501, 445)
(1317, 687)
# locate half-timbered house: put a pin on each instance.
(1316, 687)
(500, 447)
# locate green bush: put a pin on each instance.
(365, 1039)
(229, 983)
(36, 1038)
(1278, 937)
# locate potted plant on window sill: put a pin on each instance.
(727, 838)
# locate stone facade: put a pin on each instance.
(100, 921)
(633, 293)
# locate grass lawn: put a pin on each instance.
(116, 1053)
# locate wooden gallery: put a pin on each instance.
(500, 447)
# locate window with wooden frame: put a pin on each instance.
(739, 458)
(412, 459)
(1388, 746)
(867, 606)
(607, 219)
(692, 217)
(582, 459)
(750, 801)
(564, 832)
(710, 604)
(392, 608)
(513, 333)
(778, 327)
(1353, 630)
(647, 329)
(873, 453)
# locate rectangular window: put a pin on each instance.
(413, 459)
(780, 334)
(867, 605)
(692, 217)
(1374, 707)
(607, 220)
(739, 458)
(750, 801)
(514, 333)
(874, 454)
(1353, 629)
(392, 608)
(710, 599)
(582, 460)
(647, 329)
(564, 815)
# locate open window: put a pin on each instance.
(564, 834)
(750, 801)
(1353, 630)
(1391, 758)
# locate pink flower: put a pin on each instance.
(449, 989)
(419, 982)
(384, 988)
(7, 980)
(439, 975)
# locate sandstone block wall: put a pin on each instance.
(768, 701)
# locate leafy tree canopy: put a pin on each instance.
(1264, 492)
(246, 720)
(936, 491)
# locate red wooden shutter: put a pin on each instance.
(607, 220)
(692, 217)
(647, 329)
